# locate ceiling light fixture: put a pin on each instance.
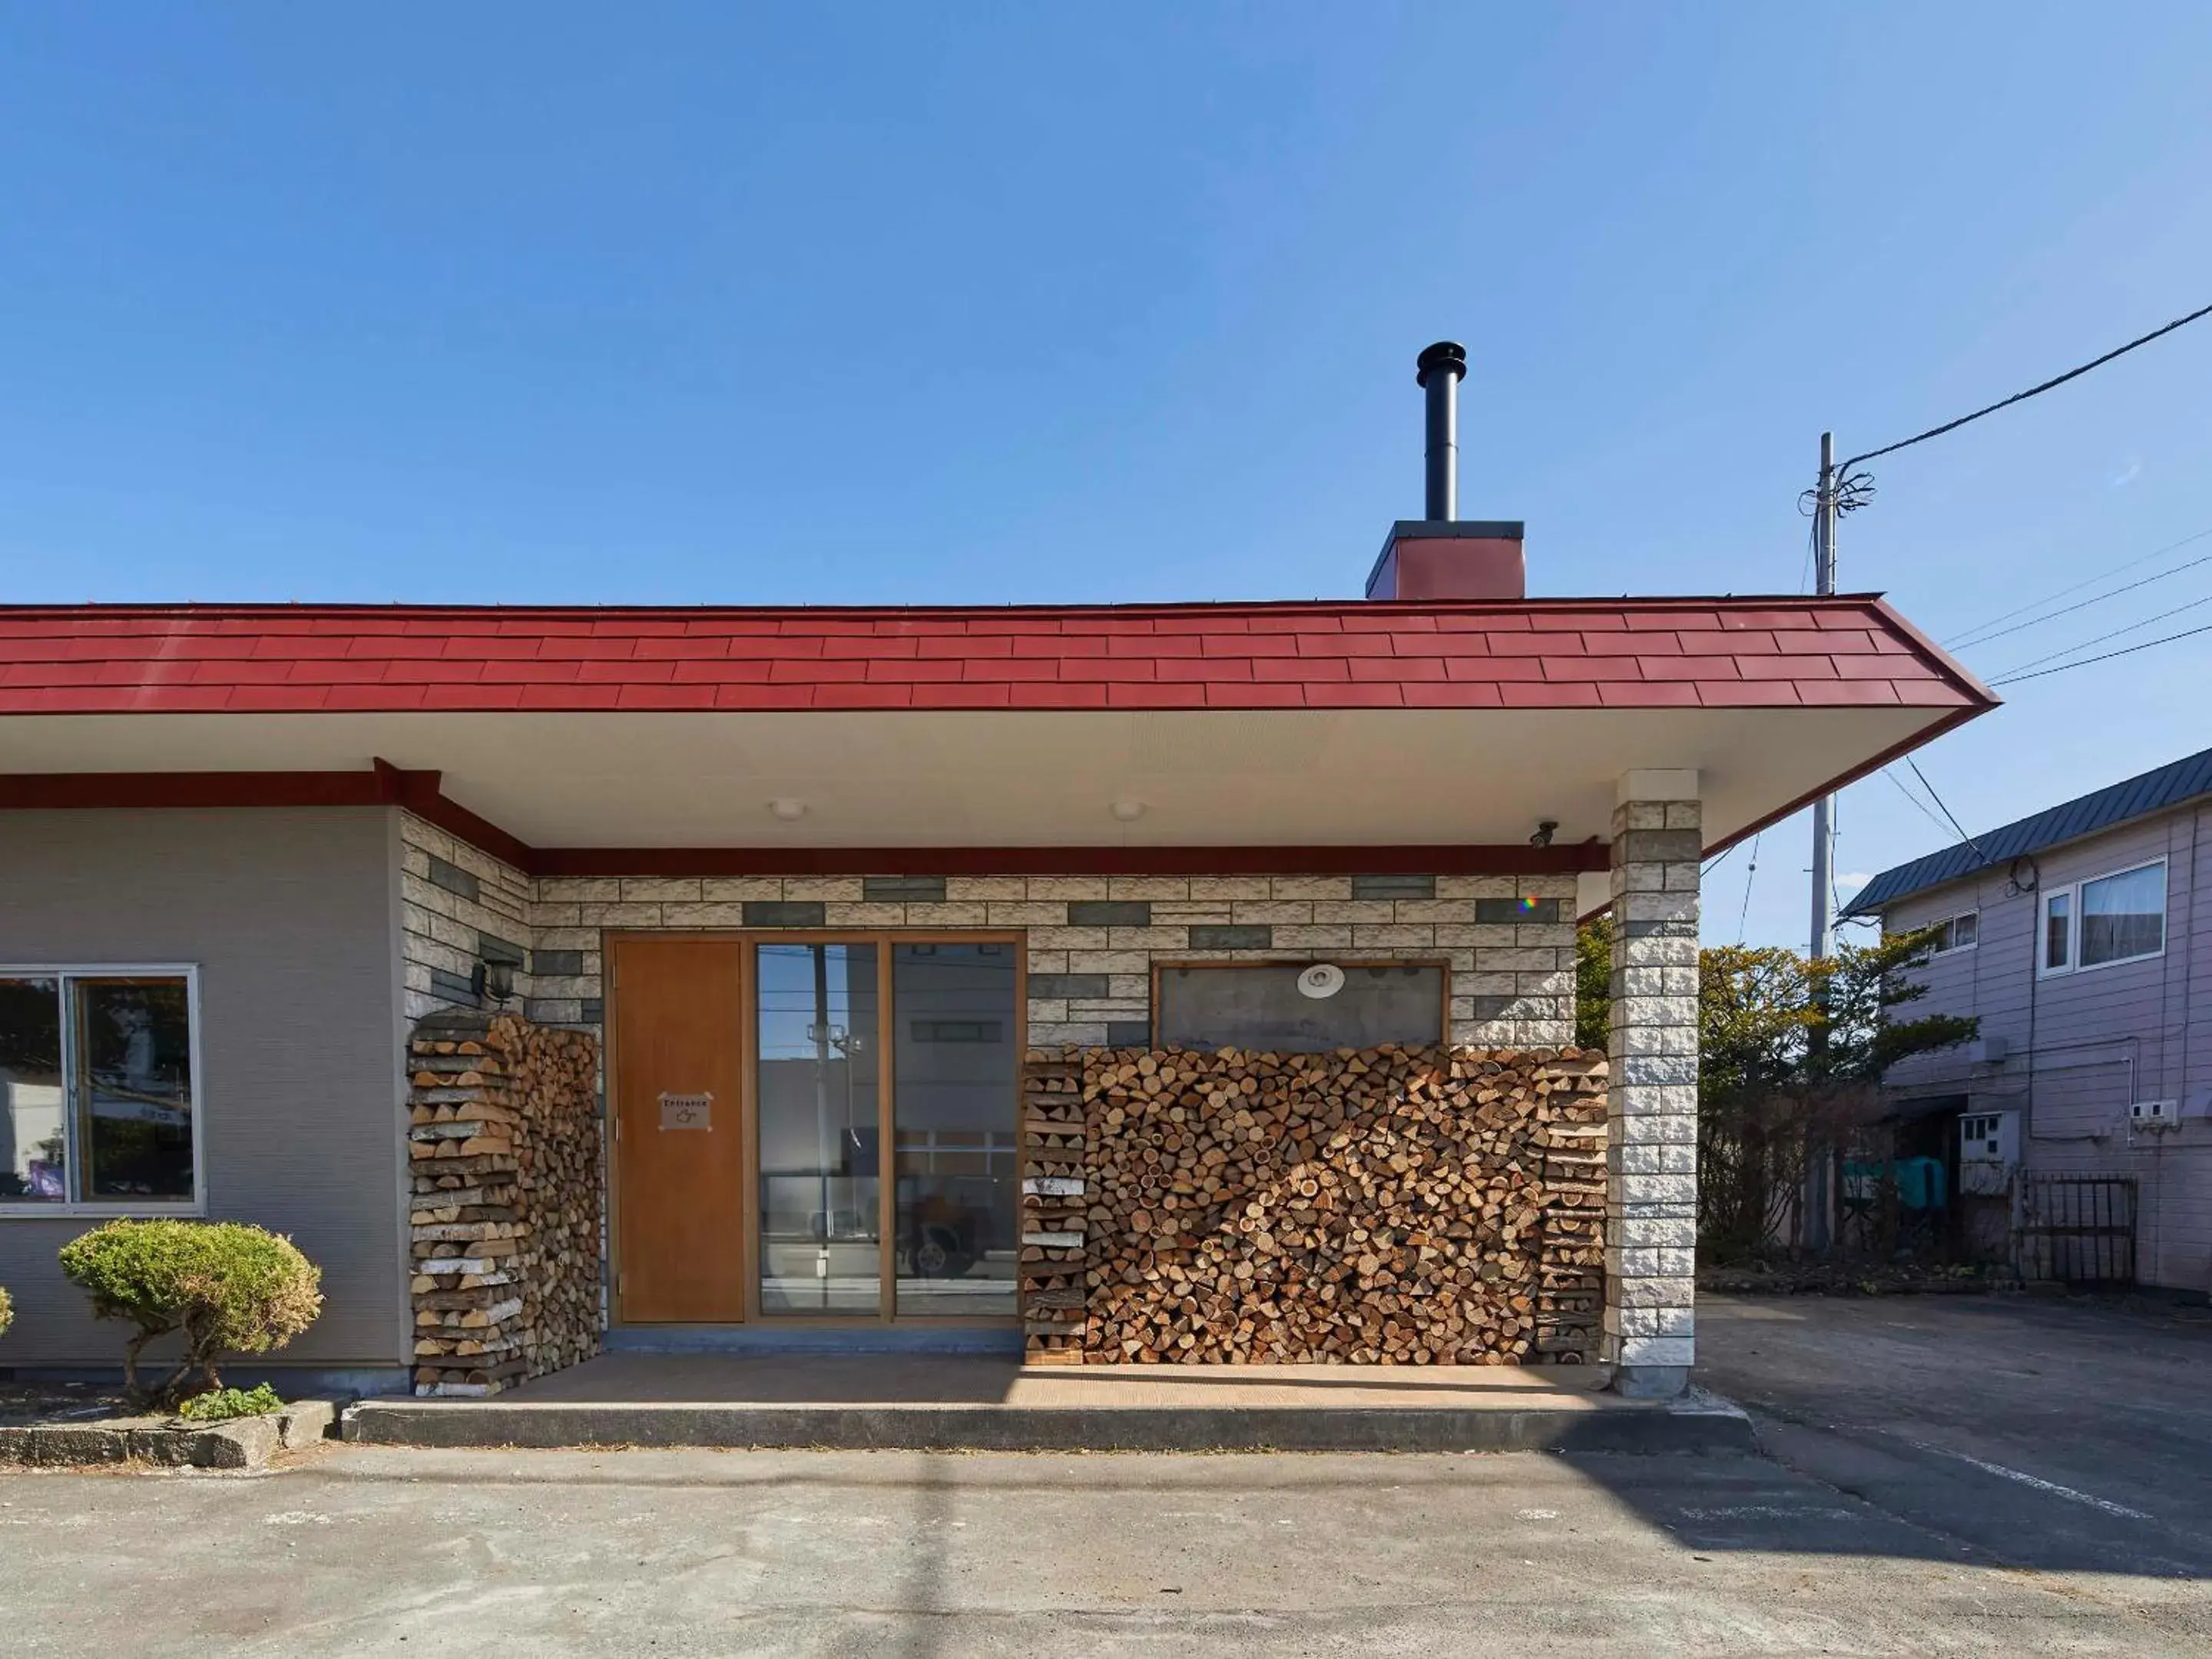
(788, 810)
(1128, 810)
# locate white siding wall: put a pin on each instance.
(2081, 1046)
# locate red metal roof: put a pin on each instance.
(1538, 654)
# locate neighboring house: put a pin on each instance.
(2074, 936)
(887, 916)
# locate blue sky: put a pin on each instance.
(832, 304)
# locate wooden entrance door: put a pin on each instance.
(679, 1149)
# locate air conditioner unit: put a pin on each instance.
(2155, 1116)
(1989, 1050)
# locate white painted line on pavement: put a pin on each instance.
(2036, 1482)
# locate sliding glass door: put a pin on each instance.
(957, 1217)
(821, 1140)
(863, 1044)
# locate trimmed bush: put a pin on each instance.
(226, 1287)
(220, 1404)
(7, 1311)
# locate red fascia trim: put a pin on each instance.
(69, 791)
(1935, 657)
(1511, 859)
(1926, 735)
(481, 833)
(417, 791)
(1918, 740)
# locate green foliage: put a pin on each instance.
(1593, 984)
(225, 1286)
(7, 1311)
(220, 1404)
(1860, 988)
(1791, 1053)
(1755, 1020)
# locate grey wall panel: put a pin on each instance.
(289, 915)
(2081, 1046)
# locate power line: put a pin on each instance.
(2033, 391)
(1960, 828)
(1926, 812)
(2125, 650)
(1961, 639)
(1744, 914)
(1995, 633)
(2019, 669)
(1948, 813)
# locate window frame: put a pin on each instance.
(1163, 963)
(108, 1209)
(2076, 919)
(1949, 923)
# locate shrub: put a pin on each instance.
(220, 1405)
(7, 1312)
(225, 1286)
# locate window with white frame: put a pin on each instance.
(1957, 933)
(99, 1089)
(2119, 917)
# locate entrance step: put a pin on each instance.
(764, 1339)
(973, 1403)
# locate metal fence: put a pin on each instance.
(2078, 1229)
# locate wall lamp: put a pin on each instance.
(492, 981)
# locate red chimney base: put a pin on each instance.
(1451, 559)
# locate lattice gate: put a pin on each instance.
(2078, 1229)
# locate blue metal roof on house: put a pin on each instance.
(2153, 792)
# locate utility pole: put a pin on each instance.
(1817, 1227)
(1824, 581)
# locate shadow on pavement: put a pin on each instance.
(2065, 1436)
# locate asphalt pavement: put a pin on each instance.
(2064, 1434)
(1948, 1477)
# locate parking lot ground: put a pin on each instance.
(407, 1552)
(2066, 1434)
(1954, 1475)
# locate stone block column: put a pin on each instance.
(1651, 1115)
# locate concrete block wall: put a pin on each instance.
(1092, 940)
(1092, 943)
(459, 905)
(1651, 1152)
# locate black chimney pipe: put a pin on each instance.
(1440, 369)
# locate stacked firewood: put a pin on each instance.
(504, 1153)
(1054, 1219)
(1421, 1206)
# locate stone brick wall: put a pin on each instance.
(1440, 1206)
(1091, 943)
(506, 1167)
(459, 906)
(1651, 1230)
(1092, 940)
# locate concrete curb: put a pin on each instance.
(243, 1443)
(1696, 1423)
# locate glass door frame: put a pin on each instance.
(747, 941)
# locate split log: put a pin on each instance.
(1388, 1206)
(506, 1167)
